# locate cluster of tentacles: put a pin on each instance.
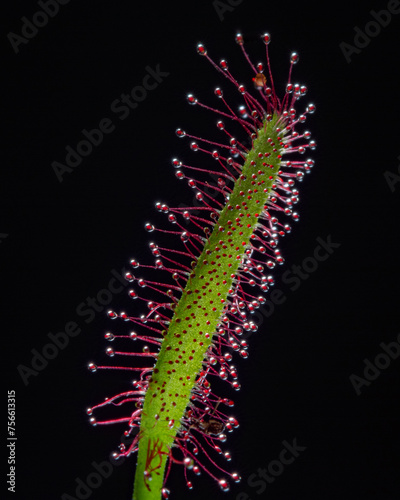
(205, 421)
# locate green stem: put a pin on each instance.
(199, 311)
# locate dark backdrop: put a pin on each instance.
(61, 242)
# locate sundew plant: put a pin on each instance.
(202, 290)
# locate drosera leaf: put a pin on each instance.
(203, 302)
(230, 244)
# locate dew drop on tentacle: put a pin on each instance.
(266, 38)
(176, 164)
(223, 484)
(180, 133)
(224, 65)
(129, 277)
(191, 99)
(242, 113)
(132, 294)
(311, 108)
(165, 493)
(294, 58)
(201, 49)
(236, 477)
(239, 39)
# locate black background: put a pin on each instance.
(64, 239)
